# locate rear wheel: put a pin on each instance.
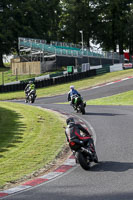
(95, 158)
(82, 109)
(83, 161)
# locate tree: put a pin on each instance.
(107, 22)
(112, 23)
(129, 31)
(76, 15)
(13, 23)
(27, 18)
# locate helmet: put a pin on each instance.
(70, 120)
(72, 87)
(30, 82)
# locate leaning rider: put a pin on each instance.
(73, 131)
(71, 95)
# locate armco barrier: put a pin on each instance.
(48, 82)
(105, 69)
(56, 74)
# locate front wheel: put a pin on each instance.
(32, 101)
(32, 98)
(83, 161)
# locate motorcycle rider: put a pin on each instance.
(30, 87)
(71, 95)
(73, 131)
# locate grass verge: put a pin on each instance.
(64, 88)
(125, 98)
(30, 139)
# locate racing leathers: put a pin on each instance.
(73, 131)
(29, 89)
(71, 96)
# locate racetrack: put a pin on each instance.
(111, 179)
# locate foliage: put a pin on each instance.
(113, 26)
(106, 22)
(26, 18)
(77, 15)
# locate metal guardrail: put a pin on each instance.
(40, 45)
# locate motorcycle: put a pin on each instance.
(31, 97)
(78, 104)
(84, 153)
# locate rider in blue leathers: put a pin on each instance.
(71, 94)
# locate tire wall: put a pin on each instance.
(66, 61)
(48, 82)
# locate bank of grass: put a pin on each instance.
(125, 98)
(80, 84)
(30, 139)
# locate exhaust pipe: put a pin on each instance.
(88, 152)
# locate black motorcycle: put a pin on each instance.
(78, 104)
(31, 97)
(84, 153)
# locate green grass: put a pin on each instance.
(125, 98)
(64, 88)
(30, 139)
(8, 77)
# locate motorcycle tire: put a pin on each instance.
(96, 158)
(83, 161)
(82, 109)
(32, 101)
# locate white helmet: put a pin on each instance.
(72, 87)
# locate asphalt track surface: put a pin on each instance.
(112, 178)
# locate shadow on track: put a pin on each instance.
(112, 166)
(103, 114)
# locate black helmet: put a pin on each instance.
(70, 120)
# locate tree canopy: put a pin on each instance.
(108, 22)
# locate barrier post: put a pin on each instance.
(16, 74)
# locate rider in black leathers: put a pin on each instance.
(73, 131)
